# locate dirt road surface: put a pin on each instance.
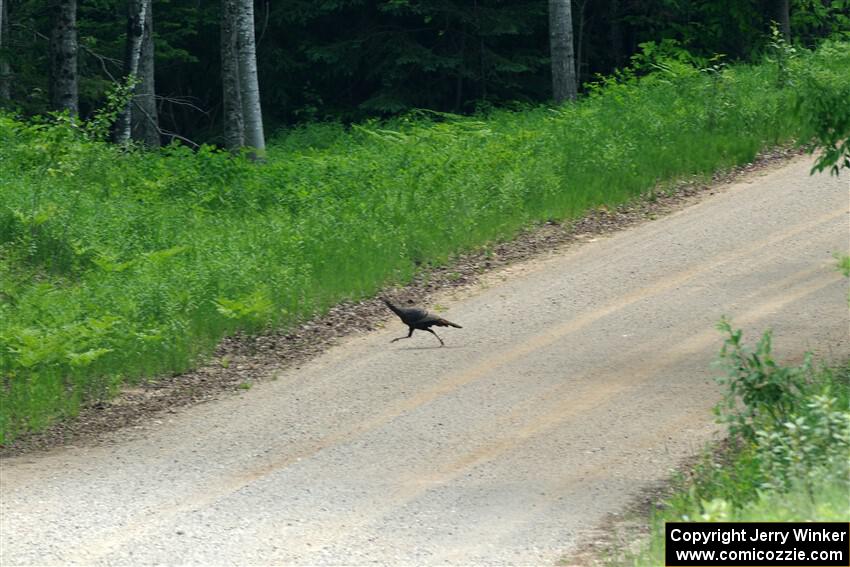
(576, 382)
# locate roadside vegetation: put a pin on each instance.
(787, 456)
(117, 265)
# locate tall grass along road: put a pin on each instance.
(573, 384)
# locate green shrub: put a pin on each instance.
(813, 442)
(792, 423)
(791, 464)
(822, 106)
(758, 390)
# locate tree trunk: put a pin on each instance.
(580, 43)
(561, 50)
(5, 68)
(248, 83)
(63, 57)
(135, 30)
(145, 123)
(461, 69)
(616, 33)
(234, 123)
(482, 70)
(784, 14)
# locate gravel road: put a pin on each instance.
(576, 382)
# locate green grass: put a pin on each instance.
(826, 502)
(116, 266)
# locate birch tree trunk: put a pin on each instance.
(135, 30)
(63, 57)
(144, 120)
(248, 84)
(234, 123)
(561, 50)
(5, 68)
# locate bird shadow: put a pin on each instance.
(430, 347)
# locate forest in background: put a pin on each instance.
(349, 60)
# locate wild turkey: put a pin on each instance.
(416, 318)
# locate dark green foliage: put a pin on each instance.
(186, 58)
(813, 20)
(353, 59)
(347, 60)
